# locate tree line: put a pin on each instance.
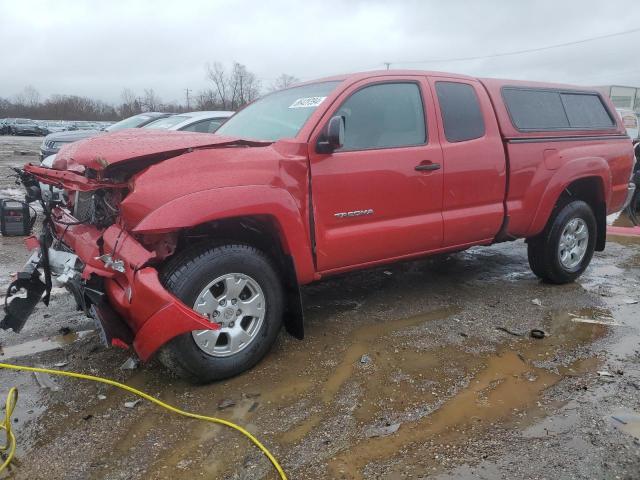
(227, 89)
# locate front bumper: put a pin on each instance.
(131, 299)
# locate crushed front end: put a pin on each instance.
(85, 248)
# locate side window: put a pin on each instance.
(586, 111)
(383, 116)
(461, 113)
(535, 109)
(207, 126)
(546, 110)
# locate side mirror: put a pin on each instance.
(333, 138)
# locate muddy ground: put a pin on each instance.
(418, 370)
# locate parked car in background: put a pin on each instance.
(201, 122)
(42, 126)
(53, 142)
(4, 127)
(631, 122)
(24, 126)
(56, 127)
(192, 247)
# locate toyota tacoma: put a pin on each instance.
(192, 247)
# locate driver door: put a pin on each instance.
(379, 197)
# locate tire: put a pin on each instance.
(188, 275)
(544, 250)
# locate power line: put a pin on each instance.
(519, 52)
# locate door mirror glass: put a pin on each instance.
(333, 138)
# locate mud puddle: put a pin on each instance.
(441, 395)
(503, 387)
(627, 422)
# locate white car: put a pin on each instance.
(631, 123)
(202, 122)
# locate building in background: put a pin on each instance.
(623, 97)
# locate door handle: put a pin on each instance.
(428, 167)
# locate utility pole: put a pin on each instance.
(388, 64)
(187, 92)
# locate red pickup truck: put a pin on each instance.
(193, 246)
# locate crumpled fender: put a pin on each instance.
(240, 201)
(569, 172)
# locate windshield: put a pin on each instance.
(278, 115)
(131, 122)
(167, 122)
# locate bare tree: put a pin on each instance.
(232, 90)
(208, 100)
(127, 96)
(31, 96)
(218, 78)
(245, 86)
(60, 107)
(130, 104)
(150, 101)
(283, 81)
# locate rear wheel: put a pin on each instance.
(564, 249)
(236, 286)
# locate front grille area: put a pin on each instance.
(83, 206)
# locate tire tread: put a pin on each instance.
(178, 270)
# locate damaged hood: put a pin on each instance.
(137, 148)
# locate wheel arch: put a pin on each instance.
(589, 184)
(266, 234)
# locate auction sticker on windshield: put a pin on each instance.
(307, 102)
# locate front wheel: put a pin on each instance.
(236, 286)
(564, 249)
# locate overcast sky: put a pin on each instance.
(97, 48)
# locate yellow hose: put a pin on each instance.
(10, 445)
(10, 442)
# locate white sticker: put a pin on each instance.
(307, 102)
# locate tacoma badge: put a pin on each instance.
(355, 213)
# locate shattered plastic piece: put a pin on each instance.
(604, 373)
(132, 404)
(102, 397)
(61, 364)
(382, 431)
(364, 359)
(537, 301)
(387, 272)
(130, 364)
(603, 321)
(45, 381)
(226, 404)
